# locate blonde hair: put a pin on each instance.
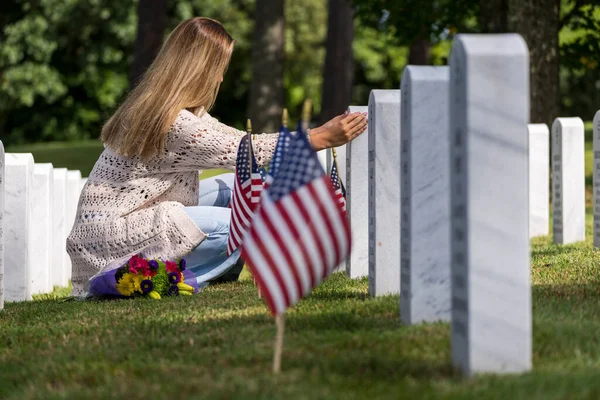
(186, 74)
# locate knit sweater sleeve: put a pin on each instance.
(205, 143)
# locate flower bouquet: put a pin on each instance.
(141, 277)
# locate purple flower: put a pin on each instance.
(173, 291)
(147, 286)
(153, 264)
(174, 278)
(182, 264)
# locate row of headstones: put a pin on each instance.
(38, 204)
(458, 182)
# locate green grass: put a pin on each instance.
(339, 343)
(80, 155)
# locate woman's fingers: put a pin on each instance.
(357, 121)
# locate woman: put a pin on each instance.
(143, 193)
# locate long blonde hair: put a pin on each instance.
(186, 74)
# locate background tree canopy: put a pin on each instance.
(65, 64)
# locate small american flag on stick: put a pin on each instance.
(299, 234)
(336, 182)
(246, 194)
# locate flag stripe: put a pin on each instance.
(263, 276)
(318, 218)
(336, 219)
(331, 245)
(319, 266)
(304, 237)
(272, 222)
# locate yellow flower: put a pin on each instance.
(126, 285)
(137, 281)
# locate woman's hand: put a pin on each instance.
(338, 131)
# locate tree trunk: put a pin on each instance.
(152, 22)
(419, 52)
(538, 22)
(493, 16)
(266, 91)
(338, 73)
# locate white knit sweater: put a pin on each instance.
(128, 206)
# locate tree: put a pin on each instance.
(152, 22)
(538, 22)
(338, 73)
(493, 16)
(267, 92)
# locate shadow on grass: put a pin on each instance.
(554, 250)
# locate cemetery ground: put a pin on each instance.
(339, 343)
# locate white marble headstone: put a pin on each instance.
(357, 200)
(322, 155)
(73, 193)
(568, 180)
(491, 288)
(59, 239)
(539, 179)
(2, 227)
(384, 192)
(19, 223)
(425, 202)
(596, 141)
(43, 192)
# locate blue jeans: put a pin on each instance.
(209, 261)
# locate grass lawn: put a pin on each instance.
(339, 343)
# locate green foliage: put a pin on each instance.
(580, 58)
(63, 66)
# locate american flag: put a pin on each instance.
(338, 186)
(280, 149)
(299, 234)
(245, 198)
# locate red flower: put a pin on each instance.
(171, 266)
(138, 265)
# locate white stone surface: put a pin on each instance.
(357, 200)
(73, 193)
(596, 141)
(384, 192)
(59, 239)
(19, 223)
(322, 155)
(491, 287)
(2, 227)
(43, 191)
(539, 179)
(568, 180)
(425, 188)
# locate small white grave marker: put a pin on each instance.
(597, 179)
(19, 223)
(568, 180)
(2, 227)
(59, 238)
(43, 191)
(357, 200)
(73, 193)
(539, 179)
(425, 188)
(491, 287)
(384, 192)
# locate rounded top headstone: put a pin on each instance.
(426, 73)
(19, 159)
(571, 122)
(384, 96)
(489, 44)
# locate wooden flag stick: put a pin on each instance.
(279, 320)
(306, 111)
(284, 118)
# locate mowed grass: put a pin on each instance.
(339, 343)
